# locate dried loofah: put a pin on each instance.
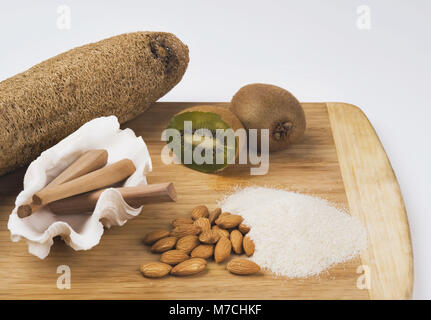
(120, 76)
(80, 231)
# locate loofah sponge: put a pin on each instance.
(120, 76)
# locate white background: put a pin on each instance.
(313, 48)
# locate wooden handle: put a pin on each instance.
(134, 196)
(88, 162)
(101, 178)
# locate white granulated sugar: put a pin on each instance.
(296, 235)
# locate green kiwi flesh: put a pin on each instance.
(209, 119)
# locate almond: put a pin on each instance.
(189, 267)
(200, 212)
(244, 229)
(209, 237)
(185, 230)
(221, 232)
(214, 215)
(222, 250)
(188, 243)
(155, 235)
(242, 266)
(229, 221)
(173, 257)
(203, 223)
(155, 269)
(179, 221)
(248, 246)
(224, 214)
(236, 240)
(164, 244)
(203, 251)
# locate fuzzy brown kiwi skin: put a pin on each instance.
(227, 116)
(264, 106)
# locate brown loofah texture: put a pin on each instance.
(120, 76)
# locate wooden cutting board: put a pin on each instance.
(340, 159)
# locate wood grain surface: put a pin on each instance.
(375, 198)
(111, 269)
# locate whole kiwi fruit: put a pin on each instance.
(207, 118)
(265, 106)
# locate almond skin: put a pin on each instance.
(221, 232)
(242, 267)
(200, 212)
(244, 229)
(203, 251)
(155, 235)
(187, 243)
(224, 214)
(179, 221)
(236, 240)
(164, 244)
(185, 230)
(203, 223)
(173, 257)
(229, 221)
(222, 250)
(213, 216)
(155, 269)
(248, 246)
(189, 267)
(209, 237)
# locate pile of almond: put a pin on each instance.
(205, 235)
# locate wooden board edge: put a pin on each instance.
(374, 197)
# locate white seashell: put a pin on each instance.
(80, 231)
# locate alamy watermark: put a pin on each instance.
(63, 281)
(64, 17)
(217, 147)
(364, 280)
(363, 21)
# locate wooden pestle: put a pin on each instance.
(89, 161)
(134, 196)
(101, 178)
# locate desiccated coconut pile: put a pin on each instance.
(296, 235)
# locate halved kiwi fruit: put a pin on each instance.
(264, 106)
(205, 134)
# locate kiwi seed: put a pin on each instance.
(209, 118)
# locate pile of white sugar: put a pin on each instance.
(296, 235)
